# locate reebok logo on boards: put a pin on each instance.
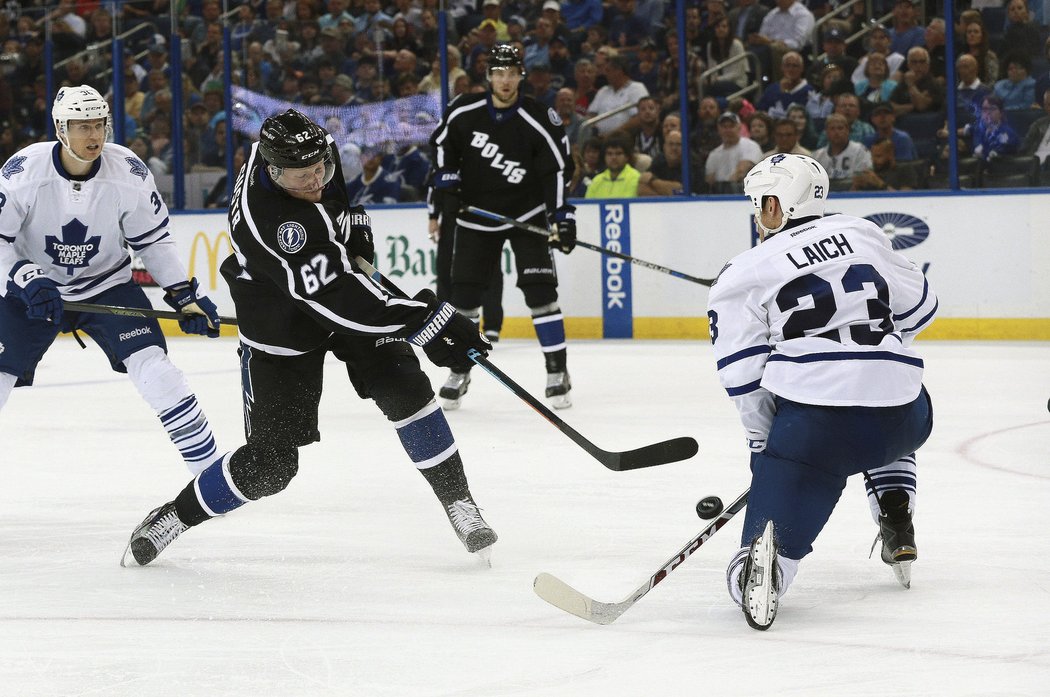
(512, 171)
(134, 333)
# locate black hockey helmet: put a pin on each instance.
(505, 56)
(292, 141)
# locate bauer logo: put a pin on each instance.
(617, 313)
(291, 236)
(904, 230)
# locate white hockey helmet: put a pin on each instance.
(799, 182)
(79, 103)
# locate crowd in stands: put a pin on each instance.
(867, 99)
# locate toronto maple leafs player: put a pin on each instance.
(504, 152)
(812, 332)
(68, 212)
(299, 296)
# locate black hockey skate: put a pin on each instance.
(492, 335)
(471, 528)
(453, 390)
(160, 528)
(760, 581)
(558, 382)
(897, 534)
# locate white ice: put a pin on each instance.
(352, 582)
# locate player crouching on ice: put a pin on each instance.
(68, 213)
(811, 332)
(299, 296)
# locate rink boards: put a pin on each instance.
(985, 254)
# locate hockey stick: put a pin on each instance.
(134, 311)
(564, 597)
(660, 453)
(587, 245)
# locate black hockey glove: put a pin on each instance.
(39, 293)
(563, 229)
(201, 315)
(357, 232)
(446, 336)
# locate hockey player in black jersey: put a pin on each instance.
(298, 296)
(507, 153)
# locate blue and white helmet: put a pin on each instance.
(82, 102)
(799, 182)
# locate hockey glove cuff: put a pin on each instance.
(446, 335)
(39, 293)
(357, 232)
(563, 229)
(201, 315)
(447, 182)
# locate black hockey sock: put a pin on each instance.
(556, 361)
(189, 508)
(448, 480)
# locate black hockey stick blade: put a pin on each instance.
(587, 245)
(661, 453)
(134, 311)
(564, 597)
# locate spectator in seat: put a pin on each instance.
(970, 91)
(936, 46)
(374, 184)
(746, 18)
(619, 179)
(705, 137)
(664, 177)
(918, 91)
(648, 140)
(792, 88)
(821, 101)
(580, 15)
(991, 136)
(879, 42)
(977, 46)
(834, 44)
(621, 90)
(727, 164)
(1018, 89)
(1037, 139)
(760, 129)
(807, 132)
(876, 87)
(787, 27)
(723, 46)
(785, 139)
(905, 34)
(842, 158)
(884, 118)
(588, 165)
(848, 104)
(565, 106)
(885, 175)
(1021, 35)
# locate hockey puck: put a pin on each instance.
(709, 507)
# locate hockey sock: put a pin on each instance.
(896, 475)
(165, 389)
(448, 480)
(426, 437)
(191, 433)
(211, 493)
(7, 383)
(550, 330)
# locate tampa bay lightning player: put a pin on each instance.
(68, 212)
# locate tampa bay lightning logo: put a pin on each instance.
(13, 167)
(137, 168)
(74, 250)
(904, 230)
(553, 116)
(291, 236)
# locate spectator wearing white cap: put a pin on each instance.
(729, 162)
(491, 11)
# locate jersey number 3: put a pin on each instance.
(315, 274)
(807, 322)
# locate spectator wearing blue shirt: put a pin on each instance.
(792, 88)
(374, 184)
(906, 33)
(883, 119)
(991, 135)
(1018, 89)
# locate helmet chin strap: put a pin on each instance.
(59, 133)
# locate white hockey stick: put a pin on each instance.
(564, 597)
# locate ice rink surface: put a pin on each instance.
(352, 582)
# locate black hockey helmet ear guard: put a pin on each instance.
(505, 56)
(291, 140)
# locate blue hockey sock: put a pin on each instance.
(426, 436)
(550, 329)
(216, 493)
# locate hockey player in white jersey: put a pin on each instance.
(68, 212)
(812, 331)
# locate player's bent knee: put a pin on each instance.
(156, 378)
(402, 392)
(540, 294)
(264, 470)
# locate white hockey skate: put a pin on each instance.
(471, 528)
(760, 581)
(160, 528)
(453, 390)
(558, 387)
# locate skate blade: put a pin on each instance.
(484, 555)
(561, 401)
(902, 570)
(450, 404)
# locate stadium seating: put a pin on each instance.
(922, 127)
(1011, 171)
